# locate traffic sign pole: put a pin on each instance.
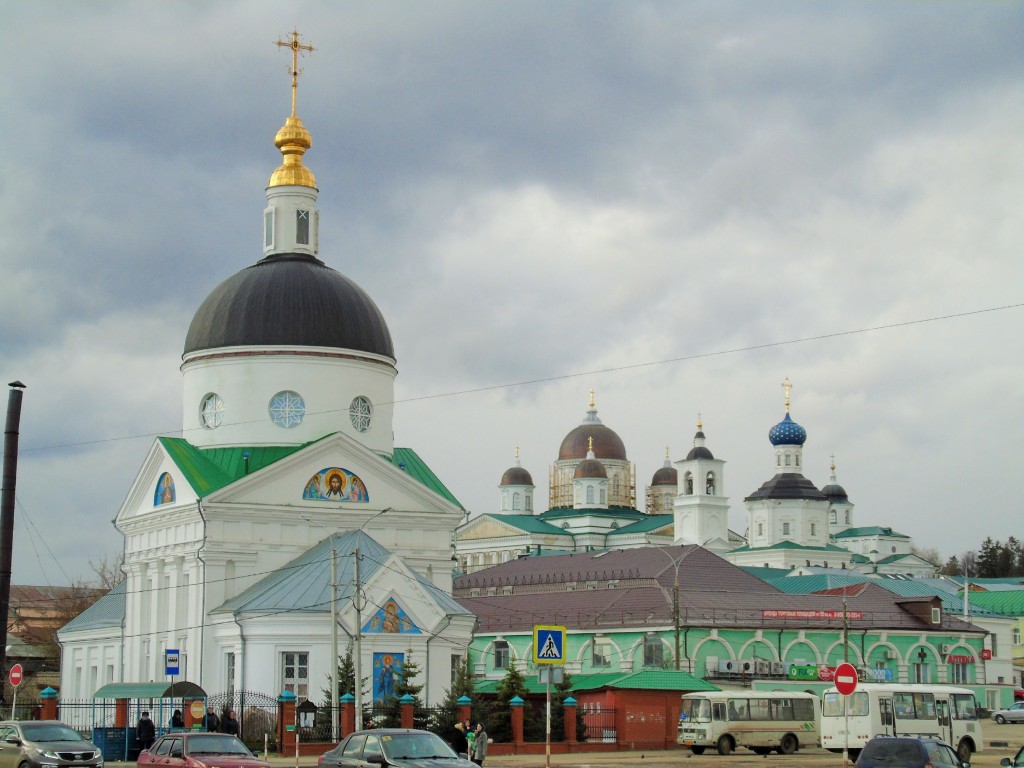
(846, 684)
(15, 676)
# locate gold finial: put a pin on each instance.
(666, 452)
(590, 444)
(293, 139)
(787, 386)
(591, 397)
(833, 467)
(700, 424)
(517, 454)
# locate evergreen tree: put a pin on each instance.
(446, 715)
(560, 692)
(952, 567)
(988, 559)
(512, 685)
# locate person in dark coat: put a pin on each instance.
(145, 732)
(459, 742)
(230, 724)
(177, 721)
(210, 721)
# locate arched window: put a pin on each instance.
(785, 529)
(832, 517)
(796, 459)
(590, 494)
(500, 654)
(709, 486)
(689, 484)
(529, 502)
(778, 460)
(847, 517)
(515, 502)
(604, 496)
(654, 651)
(788, 459)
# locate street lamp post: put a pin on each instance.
(357, 603)
(675, 598)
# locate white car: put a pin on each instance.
(1013, 714)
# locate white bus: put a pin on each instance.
(942, 711)
(759, 720)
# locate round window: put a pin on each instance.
(211, 411)
(287, 409)
(361, 413)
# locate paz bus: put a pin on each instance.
(909, 709)
(759, 720)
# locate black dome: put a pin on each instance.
(666, 476)
(516, 476)
(699, 452)
(835, 491)
(293, 300)
(590, 468)
(607, 444)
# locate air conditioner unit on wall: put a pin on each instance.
(711, 665)
(763, 667)
(728, 667)
(890, 654)
(945, 648)
(748, 667)
(779, 668)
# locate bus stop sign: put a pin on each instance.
(846, 678)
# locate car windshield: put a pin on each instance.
(696, 710)
(215, 744)
(407, 746)
(50, 732)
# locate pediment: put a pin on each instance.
(335, 473)
(159, 487)
(488, 527)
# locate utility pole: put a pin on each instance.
(357, 603)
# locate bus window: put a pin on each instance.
(942, 710)
(803, 709)
(885, 710)
(964, 707)
(759, 709)
(832, 706)
(696, 710)
(914, 706)
(718, 711)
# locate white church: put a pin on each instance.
(287, 455)
(592, 505)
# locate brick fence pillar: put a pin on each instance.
(406, 704)
(48, 708)
(285, 718)
(516, 706)
(465, 709)
(348, 714)
(569, 719)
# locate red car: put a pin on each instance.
(199, 750)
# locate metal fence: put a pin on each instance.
(600, 725)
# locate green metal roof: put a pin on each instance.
(1005, 602)
(805, 585)
(108, 611)
(871, 530)
(558, 513)
(150, 691)
(210, 469)
(529, 524)
(794, 545)
(765, 574)
(645, 680)
(649, 523)
(409, 462)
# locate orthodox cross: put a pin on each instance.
(296, 47)
(787, 386)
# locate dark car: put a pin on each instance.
(1017, 762)
(908, 752)
(50, 743)
(403, 747)
(199, 749)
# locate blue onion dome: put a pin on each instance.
(787, 432)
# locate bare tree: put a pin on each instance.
(108, 571)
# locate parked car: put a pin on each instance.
(1017, 762)
(403, 747)
(908, 752)
(1012, 714)
(37, 743)
(199, 749)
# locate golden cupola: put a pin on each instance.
(293, 139)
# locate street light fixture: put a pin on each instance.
(675, 596)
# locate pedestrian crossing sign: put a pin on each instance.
(548, 645)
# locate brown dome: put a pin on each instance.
(516, 476)
(666, 476)
(607, 444)
(590, 468)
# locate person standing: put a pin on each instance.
(177, 721)
(470, 739)
(479, 745)
(145, 732)
(230, 724)
(459, 742)
(210, 721)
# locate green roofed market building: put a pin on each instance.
(728, 627)
(286, 455)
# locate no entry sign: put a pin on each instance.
(846, 678)
(16, 675)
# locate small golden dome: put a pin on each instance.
(293, 140)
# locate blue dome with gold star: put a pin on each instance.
(787, 432)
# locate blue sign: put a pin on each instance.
(172, 660)
(548, 645)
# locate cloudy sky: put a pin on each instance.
(676, 204)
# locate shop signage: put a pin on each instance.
(786, 614)
(954, 659)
